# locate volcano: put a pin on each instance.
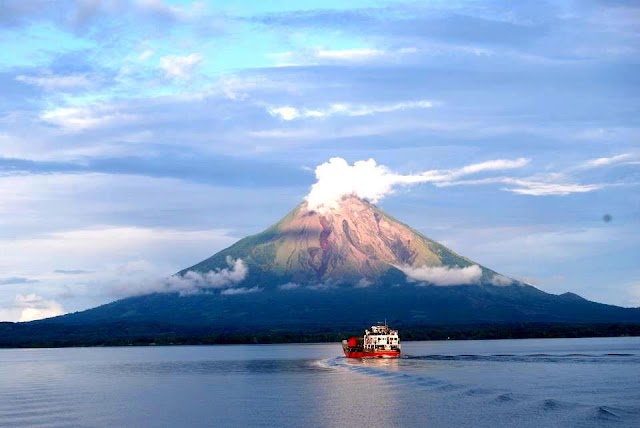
(354, 244)
(329, 269)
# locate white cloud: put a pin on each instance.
(501, 280)
(179, 67)
(602, 162)
(29, 307)
(447, 175)
(534, 188)
(34, 307)
(633, 298)
(320, 287)
(323, 56)
(146, 54)
(161, 9)
(363, 283)
(135, 280)
(365, 179)
(349, 54)
(289, 286)
(75, 119)
(443, 275)
(241, 290)
(368, 180)
(285, 113)
(531, 187)
(53, 82)
(289, 113)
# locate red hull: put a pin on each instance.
(376, 354)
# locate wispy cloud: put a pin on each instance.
(533, 188)
(180, 67)
(17, 280)
(289, 113)
(76, 119)
(448, 175)
(72, 271)
(559, 183)
(529, 187)
(608, 161)
(340, 56)
(57, 82)
(349, 54)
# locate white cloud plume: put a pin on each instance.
(443, 275)
(29, 307)
(368, 180)
(289, 113)
(179, 67)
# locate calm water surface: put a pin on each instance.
(503, 383)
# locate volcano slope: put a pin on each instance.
(340, 269)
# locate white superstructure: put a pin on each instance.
(381, 338)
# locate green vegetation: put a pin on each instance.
(34, 335)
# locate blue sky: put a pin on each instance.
(139, 137)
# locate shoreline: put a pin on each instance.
(41, 335)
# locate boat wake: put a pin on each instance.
(404, 374)
(624, 358)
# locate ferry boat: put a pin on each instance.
(379, 342)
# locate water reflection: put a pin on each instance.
(344, 398)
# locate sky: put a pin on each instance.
(140, 137)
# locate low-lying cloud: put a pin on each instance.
(368, 180)
(240, 290)
(443, 275)
(501, 280)
(190, 283)
(289, 286)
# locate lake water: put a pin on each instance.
(502, 383)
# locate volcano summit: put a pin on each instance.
(330, 269)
